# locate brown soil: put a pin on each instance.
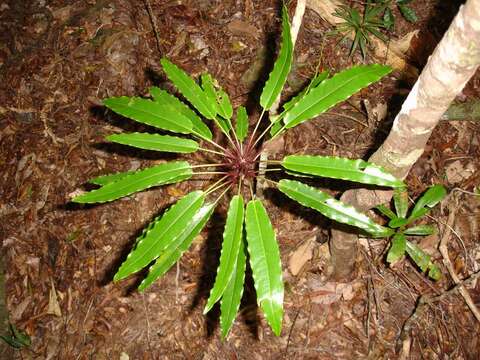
(59, 58)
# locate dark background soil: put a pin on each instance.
(58, 59)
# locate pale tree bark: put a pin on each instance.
(452, 64)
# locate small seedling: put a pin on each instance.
(399, 222)
(17, 338)
(407, 12)
(361, 26)
(234, 172)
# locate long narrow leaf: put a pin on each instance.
(341, 168)
(428, 200)
(109, 178)
(233, 293)
(397, 249)
(163, 232)
(333, 91)
(400, 200)
(420, 258)
(265, 263)
(386, 211)
(241, 127)
(150, 112)
(330, 207)
(190, 89)
(276, 80)
(176, 248)
(155, 142)
(232, 238)
(225, 108)
(167, 173)
(164, 98)
(420, 230)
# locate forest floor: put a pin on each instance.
(60, 58)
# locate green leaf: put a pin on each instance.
(434, 272)
(110, 178)
(232, 238)
(421, 230)
(209, 89)
(341, 168)
(397, 249)
(330, 207)
(177, 247)
(388, 19)
(164, 98)
(233, 293)
(224, 125)
(241, 127)
(265, 263)
(17, 339)
(225, 108)
(408, 13)
(333, 91)
(386, 211)
(155, 142)
(397, 222)
(313, 83)
(161, 233)
(190, 89)
(428, 200)
(276, 128)
(276, 80)
(400, 200)
(418, 256)
(150, 112)
(167, 173)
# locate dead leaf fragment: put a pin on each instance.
(242, 28)
(53, 305)
(301, 256)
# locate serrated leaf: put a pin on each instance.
(109, 178)
(386, 211)
(341, 168)
(232, 238)
(428, 200)
(330, 207)
(408, 13)
(233, 293)
(167, 173)
(418, 256)
(209, 89)
(313, 83)
(241, 126)
(176, 248)
(333, 91)
(190, 89)
(400, 200)
(397, 249)
(265, 263)
(276, 80)
(161, 233)
(397, 222)
(164, 98)
(421, 230)
(150, 112)
(155, 142)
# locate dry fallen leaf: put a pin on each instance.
(53, 305)
(301, 256)
(242, 28)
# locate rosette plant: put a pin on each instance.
(400, 223)
(248, 235)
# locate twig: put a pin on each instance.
(448, 264)
(153, 20)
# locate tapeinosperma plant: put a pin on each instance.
(247, 226)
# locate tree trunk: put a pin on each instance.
(452, 64)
